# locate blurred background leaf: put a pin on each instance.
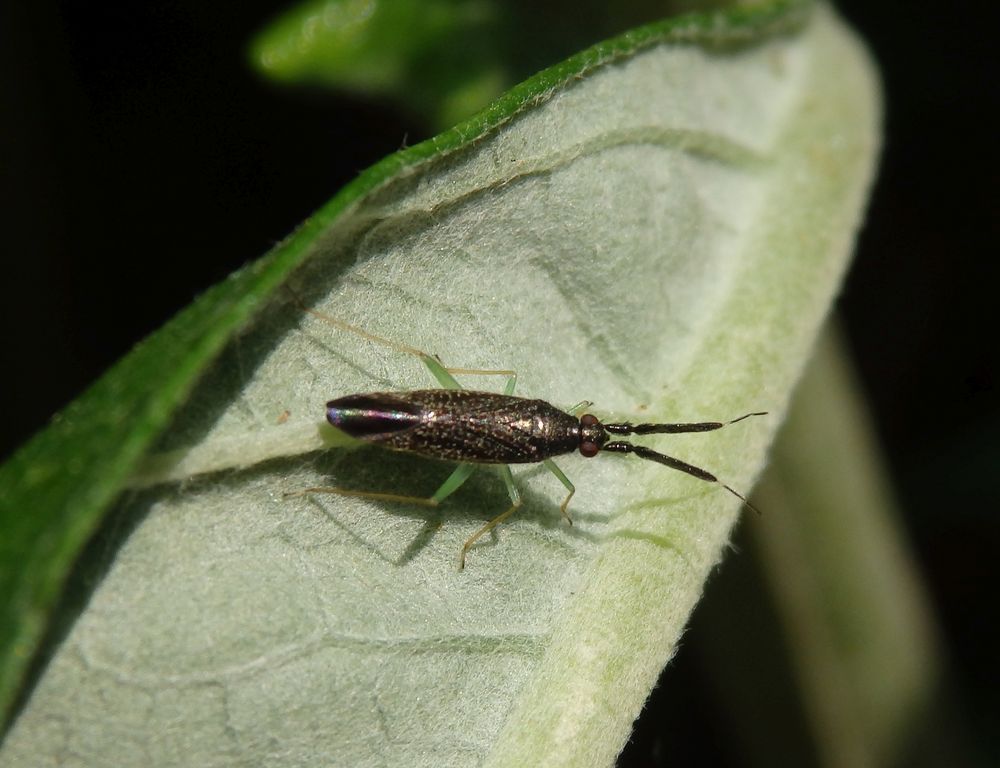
(440, 59)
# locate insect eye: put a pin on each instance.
(588, 420)
(589, 448)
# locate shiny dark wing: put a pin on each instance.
(458, 424)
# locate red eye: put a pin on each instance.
(589, 448)
(588, 420)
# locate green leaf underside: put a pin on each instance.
(660, 235)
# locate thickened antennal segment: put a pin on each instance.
(594, 435)
(594, 438)
(672, 429)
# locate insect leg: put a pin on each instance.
(582, 405)
(362, 333)
(438, 370)
(515, 498)
(448, 487)
(551, 467)
(433, 364)
(453, 483)
(507, 390)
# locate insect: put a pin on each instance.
(476, 428)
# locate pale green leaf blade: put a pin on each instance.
(661, 235)
(804, 228)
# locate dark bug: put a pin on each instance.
(474, 428)
(458, 425)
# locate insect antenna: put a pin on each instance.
(672, 429)
(620, 446)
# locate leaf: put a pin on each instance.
(861, 632)
(658, 225)
(441, 59)
(826, 601)
(436, 56)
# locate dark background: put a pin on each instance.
(144, 161)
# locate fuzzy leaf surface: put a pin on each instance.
(657, 225)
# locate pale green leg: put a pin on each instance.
(582, 405)
(448, 487)
(515, 499)
(437, 369)
(508, 481)
(446, 380)
(455, 480)
(439, 372)
(551, 467)
(453, 483)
